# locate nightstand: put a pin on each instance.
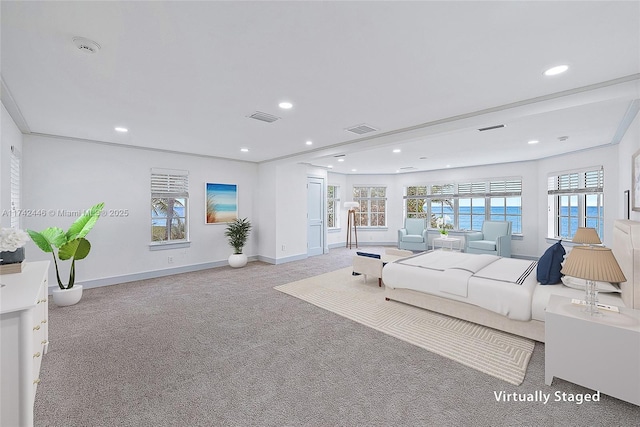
(598, 352)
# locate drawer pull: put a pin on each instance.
(43, 321)
(36, 328)
(44, 342)
(36, 355)
(36, 381)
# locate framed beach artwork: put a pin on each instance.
(635, 185)
(222, 203)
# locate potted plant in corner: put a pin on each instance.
(71, 245)
(238, 231)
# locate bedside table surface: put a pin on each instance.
(628, 318)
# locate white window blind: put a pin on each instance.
(589, 181)
(169, 183)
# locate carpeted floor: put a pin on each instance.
(221, 347)
(499, 354)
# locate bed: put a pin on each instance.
(501, 293)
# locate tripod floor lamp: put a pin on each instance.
(351, 222)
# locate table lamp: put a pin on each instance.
(593, 263)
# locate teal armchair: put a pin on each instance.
(495, 239)
(414, 235)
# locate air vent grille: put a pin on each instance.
(361, 129)
(491, 128)
(263, 117)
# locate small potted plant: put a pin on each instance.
(71, 245)
(238, 232)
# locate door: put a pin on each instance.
(315, 216)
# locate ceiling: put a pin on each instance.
(184, 76)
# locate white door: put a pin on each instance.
(315, 216)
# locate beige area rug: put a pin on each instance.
(499, 354)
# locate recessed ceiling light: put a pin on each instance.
(397, 150)
(554, 71)
(244, 150)
(121, 129)
(448, 166)
(330, 166)
(309, 142)
(341, 160)
(354, 170)
(533, 141)
(285, 105)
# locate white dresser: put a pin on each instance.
(24, 338)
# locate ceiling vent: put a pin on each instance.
(263, 117)
(491, 128)
(361, 129)
(86, 45)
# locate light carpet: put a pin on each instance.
(499, 354)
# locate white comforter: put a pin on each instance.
(502, 285)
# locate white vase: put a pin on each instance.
(237, 260)
(65, 297)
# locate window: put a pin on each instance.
(373, 206)
(506, 203)
(333, 206)
(15, 187)
(169, 206)
(576, 199)
(466, 205)
(416, 202)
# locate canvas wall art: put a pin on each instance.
(222, 203)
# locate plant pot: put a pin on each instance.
(237, 260)
(65, 297)
(13, 257)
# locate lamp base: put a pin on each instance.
(591, 299)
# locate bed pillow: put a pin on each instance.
(550, 264)
(576, 283)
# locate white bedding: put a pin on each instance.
(487, 281)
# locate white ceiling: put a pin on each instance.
(184, 76)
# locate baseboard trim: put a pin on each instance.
(153, 274)
(276, 261)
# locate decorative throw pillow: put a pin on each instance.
(550, 264)
(368, 254)
(577, 283)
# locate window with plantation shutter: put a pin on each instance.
(576, 199)
(466, 205)
(15, 187)
(333, 206)
(169, 206)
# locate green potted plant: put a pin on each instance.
(238, 232)
(71, 245)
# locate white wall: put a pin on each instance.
(629, 145)
(10, 136)
(62, 174)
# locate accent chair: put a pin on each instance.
(413, 236)
(495, 239)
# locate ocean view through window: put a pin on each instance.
(465, 206)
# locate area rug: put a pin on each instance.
(499, 354)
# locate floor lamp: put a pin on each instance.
(351, 221)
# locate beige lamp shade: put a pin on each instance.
(587, 236)
(351, 205)
(593, 263)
